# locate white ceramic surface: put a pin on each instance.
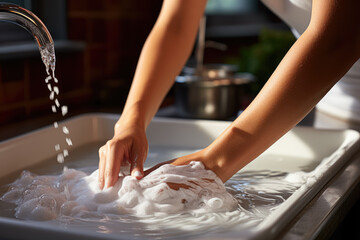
(300, 149)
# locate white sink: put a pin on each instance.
(302, 149)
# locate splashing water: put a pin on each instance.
(48, 57)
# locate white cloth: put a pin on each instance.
(343, 100)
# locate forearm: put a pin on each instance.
(162, 58)
(323, 54)
(307, 72)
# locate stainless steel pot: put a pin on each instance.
(212, 71)
(198, 96)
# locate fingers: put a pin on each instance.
(128, 145)
(110, 158)
(114, 157)
(102, 161)
(138, 157)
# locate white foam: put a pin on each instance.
(74, 193)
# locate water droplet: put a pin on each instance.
(47, 79)
(52, 95)
(57, 147)
(60, 158)
(66, 153)
(65, 130)
(64, 110)
(56, 90)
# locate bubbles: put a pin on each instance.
(150, 202)
(45, 198)
(215, 203)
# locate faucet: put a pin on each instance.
(29, 21)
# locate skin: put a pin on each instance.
(318, 59)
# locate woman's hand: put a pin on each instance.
(206, 156)
(128, 145)
(184, 160)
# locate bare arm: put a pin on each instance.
(163, 56)
(318, 59)
(165, 52)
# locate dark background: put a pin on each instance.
(98, 44)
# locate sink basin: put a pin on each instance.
(321, 153)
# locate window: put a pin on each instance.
(230, 7)
(239, 18)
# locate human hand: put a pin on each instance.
(184, 160)
(128, 145)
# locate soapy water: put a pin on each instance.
(149, 208)
(74, 193)
(48, 57)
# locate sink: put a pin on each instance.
(319, 153)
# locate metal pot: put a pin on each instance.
(212, 71)
(209, 98)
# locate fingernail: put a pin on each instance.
(137, 174)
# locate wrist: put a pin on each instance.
(130, 119)
(230, 152)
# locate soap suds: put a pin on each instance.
(74, 193)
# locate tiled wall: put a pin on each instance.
(23, 92)
(113, 32)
